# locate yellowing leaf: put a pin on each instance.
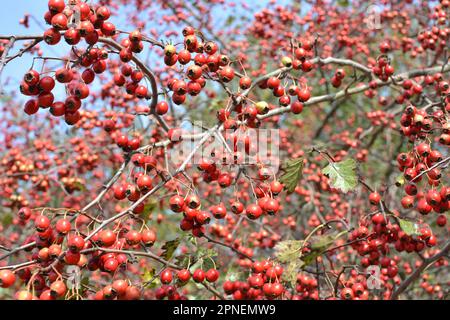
(409, 227)
(289, 250)
(291, 271)
(150, 279)
(400, 181)
(148, 274)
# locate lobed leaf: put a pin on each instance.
(292, 173)
(342, 175)
(169, 248)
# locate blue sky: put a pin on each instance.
(12, 11)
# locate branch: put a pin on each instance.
(108, 185)
(147, 72)
(8, 47)
(156, 258)
(442, 162)
(405, 284)
(228, 246)
(15, 250)
(15, 267)
(343, 93)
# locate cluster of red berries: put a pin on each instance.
(356, 287)
(132, 86)
(380, 118)
(299, 61)
(182, 277)
(78, 20)
(91, 25)
(143, 180)
(265, 280)
(53, 242)
(120, 289)
(194, 218)
(306, 288)
(383, 69)
(337, 78)
(436, 37)
(207, 60)
(127, 144)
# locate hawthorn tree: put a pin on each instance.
(350, 202)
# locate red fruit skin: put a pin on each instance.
(199, 275)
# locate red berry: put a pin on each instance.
(107, 237)
(304, 94)
(347, 294)
(41, 223)
(212, 275)
(378, 218)
(166, 276)
(184, 275)
(162, 107)
(199, 275)
(374, 198)
(56, 6)
(58, 289)
(245, 83)
(441, 220)
(7, 278)
(253, 211)
(75, 243)
(63, 226)
(176, 203)
(111, 265)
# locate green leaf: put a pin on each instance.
(230, 20)
(149, 207)
(208, 263)
(206, 253)
(149, 275)
(7, 220)
(319, 244)
(400, 181)
(233, 274)
(193, 240)
(169, 248)
(292, 173)
(205, 258)
(311, 257)
(85, 281)
(184, 260)
(216, 104)
(342, 175)
(409, 227)
(291, 271)
(80, 186)
(343, 3)
(289, 250)
(323, 242)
